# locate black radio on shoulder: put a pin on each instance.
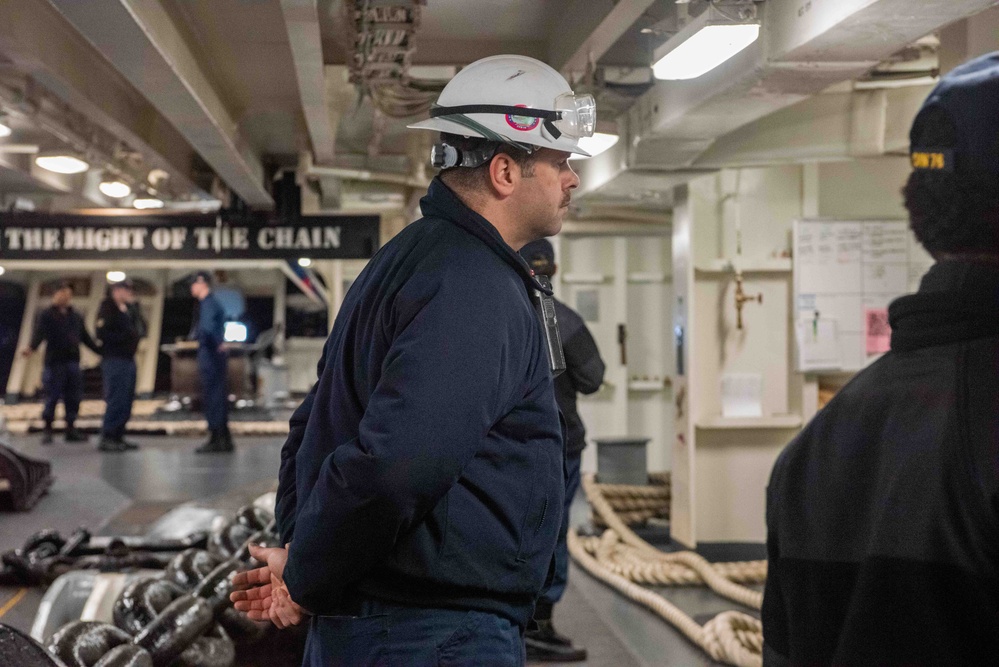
(545, 305)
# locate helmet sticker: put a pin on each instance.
(522, 123)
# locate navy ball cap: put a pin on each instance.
(967, 100)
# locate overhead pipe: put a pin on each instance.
(800, 53)
(309, 170)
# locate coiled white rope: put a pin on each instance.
(620, 558)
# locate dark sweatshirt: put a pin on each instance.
(62, 331)
(883, 514)
(426, 465)
(584, 373)
(119, 332)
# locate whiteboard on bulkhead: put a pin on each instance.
(846, 272)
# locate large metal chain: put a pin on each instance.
(184, 618)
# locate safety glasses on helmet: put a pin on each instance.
(574, 115)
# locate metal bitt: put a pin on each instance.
(741, 298)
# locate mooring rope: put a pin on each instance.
(621, 558)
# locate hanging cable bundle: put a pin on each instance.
(382, 53)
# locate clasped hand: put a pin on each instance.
(262, 594)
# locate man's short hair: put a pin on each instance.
(477, 178)
(202, 277)
(64, 284)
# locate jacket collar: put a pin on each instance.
(441, 202)
(957, 301)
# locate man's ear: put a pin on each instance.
(504, 174)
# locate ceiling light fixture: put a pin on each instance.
(595, 145)
(115, 276)
(705, 43)
(114, 188)
(62, 163)
(2, 270)
(147, 202)
(5, 130)
(305, 262)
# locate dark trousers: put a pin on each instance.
(388, 635)
(214, 396)
(554, 592)
(62, 381)
(118, 375)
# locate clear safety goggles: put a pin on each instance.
(574, 116)
(578, 115)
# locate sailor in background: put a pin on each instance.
(883, 514)
(208, 330)
(61, 327)
(584, 373)
(120, 326)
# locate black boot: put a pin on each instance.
(227, 439)
(47, 434)
(216, 444)
(109, 444)
(74, 435)
(128, 444)
(545, 644)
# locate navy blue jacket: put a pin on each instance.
(62, 332)
(426, 464)
(209, 327)
(119, 332)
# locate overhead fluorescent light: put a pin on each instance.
(5, 131)
(115, 189)
(62, 163)
(703, 44)
(595, 145)
(147, 202)
(115, 276)
(304, 262)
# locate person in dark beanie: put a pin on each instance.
(209, 331)
(883, 514)
(61, 327)
(584, 373)
(120, 326)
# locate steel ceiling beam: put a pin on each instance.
(590, 36)
(139, 38)
(301, 19)
(39, 43)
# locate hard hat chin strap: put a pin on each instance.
(549, 117)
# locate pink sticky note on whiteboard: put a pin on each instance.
(877, 331)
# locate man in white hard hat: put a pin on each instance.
(422, 482)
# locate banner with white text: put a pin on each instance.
(33, 236)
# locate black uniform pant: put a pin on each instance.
(119, 393)
(63, 380)
(214, 395)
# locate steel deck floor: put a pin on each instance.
(123, 493)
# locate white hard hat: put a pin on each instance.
(514, 100)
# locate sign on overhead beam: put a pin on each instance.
(209, 237)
